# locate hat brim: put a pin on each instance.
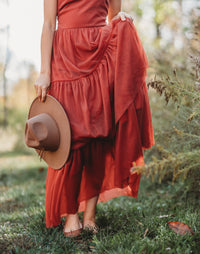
(51, 106)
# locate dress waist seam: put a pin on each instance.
(60, 26)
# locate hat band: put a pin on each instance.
(42, 132)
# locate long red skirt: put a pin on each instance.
(98, 75)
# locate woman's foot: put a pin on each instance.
(73, 226)
(89, 215)
(91, 226)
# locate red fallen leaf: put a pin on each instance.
(180, 228)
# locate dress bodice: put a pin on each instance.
(82, 13)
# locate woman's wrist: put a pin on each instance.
(112, 15)
(45, 72)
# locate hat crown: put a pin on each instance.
(48, 131)
(42, 132)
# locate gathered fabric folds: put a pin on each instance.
(98, 75)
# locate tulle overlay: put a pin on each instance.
(98, 75)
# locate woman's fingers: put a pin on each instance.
(123, 16)
(41, 86)
(39, 92)
(43, 95)
(36, 88)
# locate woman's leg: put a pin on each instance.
(93, 176)
(71, 193)
(89, 214)
(73, 223)
(62, 191)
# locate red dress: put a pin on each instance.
(98, 75)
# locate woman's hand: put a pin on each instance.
(123, 16)
(42, 85)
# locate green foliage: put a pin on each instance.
(135, 7)
(16, 122)
(177, 149)
(162, 10)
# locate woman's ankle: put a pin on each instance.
(72, 216)
(72, 222)
(89, 214)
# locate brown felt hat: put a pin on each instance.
(48, 131)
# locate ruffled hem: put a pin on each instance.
(119, 157)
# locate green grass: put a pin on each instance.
(127, 225)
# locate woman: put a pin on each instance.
(97, 72)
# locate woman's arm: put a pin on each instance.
(114, 9)
(43, 81)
